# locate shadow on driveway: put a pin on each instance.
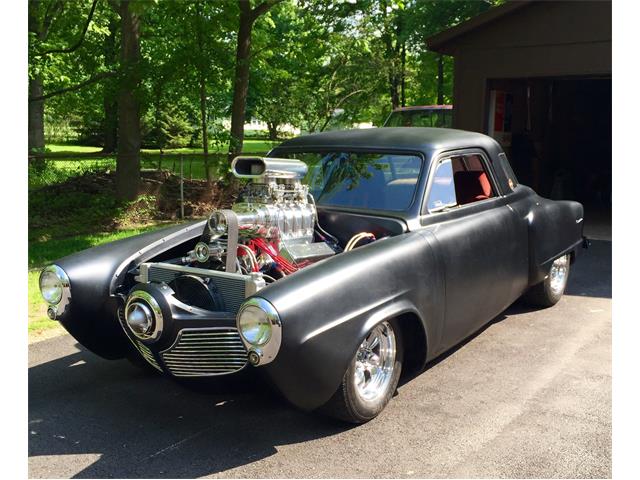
(134, 421)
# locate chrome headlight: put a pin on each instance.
(254, 325)
(54, 284)
(143, 315)
(260, 328)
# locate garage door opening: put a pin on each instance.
(557, 133)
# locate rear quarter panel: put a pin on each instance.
(556, 228)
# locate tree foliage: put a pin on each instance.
(310, 64)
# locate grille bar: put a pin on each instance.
(146, 354)
(205, 352)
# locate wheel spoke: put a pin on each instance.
(375, 362)
(359, 374)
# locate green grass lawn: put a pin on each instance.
(193, 164)
(42, 253)
(72, 148)
(249, 146)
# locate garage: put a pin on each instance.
(536, 76)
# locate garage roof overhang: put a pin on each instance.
(445, 41)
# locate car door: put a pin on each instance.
(479, 239)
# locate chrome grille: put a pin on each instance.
(205, 352)
(146, 354)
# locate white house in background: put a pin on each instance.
(364, 125)
(255, 124)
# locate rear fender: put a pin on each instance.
(555, 229)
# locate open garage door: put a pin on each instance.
(557, 133)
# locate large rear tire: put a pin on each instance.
(372, 377)
(549, 292)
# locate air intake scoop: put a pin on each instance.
(259, 167)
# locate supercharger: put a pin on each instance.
(275, 206)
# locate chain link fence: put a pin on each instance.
(176, 177)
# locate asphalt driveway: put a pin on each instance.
(528, 396)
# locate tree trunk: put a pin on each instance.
(110, 134)
(395, 97)
(247, 18)
(203, 118)
(36, 116)
(128, 159)
(110, 103)
(403, 65)
(440, 80)
(203, 91)
(241, 84)
(273, 131)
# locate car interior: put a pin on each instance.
(458, 181)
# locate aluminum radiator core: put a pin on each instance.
(234, 288)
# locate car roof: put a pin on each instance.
(423, 139)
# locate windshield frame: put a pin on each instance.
(416, 200)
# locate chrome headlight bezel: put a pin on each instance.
(59, 302)
(146, 300)
(261, 351)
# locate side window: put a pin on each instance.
(443, 193)
(458, 181)
(471, 179)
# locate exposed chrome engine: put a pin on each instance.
(271, 232)
(271, 228)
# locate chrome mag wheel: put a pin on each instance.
(374, 363)
(558, 275)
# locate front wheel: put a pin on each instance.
(372, 376)
(549, 292)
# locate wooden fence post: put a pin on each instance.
(181, 187)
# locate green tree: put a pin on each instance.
(246, 19)
(62, 36)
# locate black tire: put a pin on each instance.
(543, 294)
(347, 405)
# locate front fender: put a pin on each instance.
(328, 308)
(95, 276)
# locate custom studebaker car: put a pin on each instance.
(350, 257)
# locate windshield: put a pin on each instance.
(362, 180)
(421, 118)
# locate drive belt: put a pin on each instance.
(232, 239)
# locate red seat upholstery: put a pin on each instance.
(471, 187)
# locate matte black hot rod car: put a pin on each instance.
(351, 255)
